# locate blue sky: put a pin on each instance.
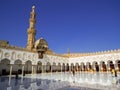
(81, 25)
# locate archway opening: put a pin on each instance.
(97, 67)
(48, 67)
(17, 67)
(59, 67)
(111, 65)
(76, 67)
(54, 67)
(5, 67)
(28, 67)
(67, 67)
(88, 67)
(83, 66)
(72, 67)
(118, 65)
(39, 67)
(103, 66)
(63, 67)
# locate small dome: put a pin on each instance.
(41, 45)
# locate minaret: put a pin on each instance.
(31, 30)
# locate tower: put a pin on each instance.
(31, 30)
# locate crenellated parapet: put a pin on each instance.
(71, 55)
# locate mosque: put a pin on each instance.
(38, 58)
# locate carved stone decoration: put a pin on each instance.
(29, 57)
(24, 56)
(19, 55)
(34, 57)
(13, 56)
(41, 47)
(7, 55)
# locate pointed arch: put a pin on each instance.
(76, 66)
(88, 66)
(5, 66)
(82, 66)
(110, 65)
(72, 67)
(54, 67)
(67, 67)
(95, 66)
(39, 67)
(48, 67)
(17, 67)
(103, 66)
(28, 67)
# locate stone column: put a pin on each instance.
(22, 70)
(108, 67)
(69, 68)
(61, 68)
(100, 67)
(11, 70)
(10, 74)
(116, 66)
(45, 68)
(65, 69)
(32, 69)
(23, 73)
(37, 69)
(42, 68)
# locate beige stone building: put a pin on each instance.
(38, 58)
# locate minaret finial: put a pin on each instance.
(33, 8)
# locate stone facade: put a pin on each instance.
(27, 60)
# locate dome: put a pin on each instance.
(41, 45)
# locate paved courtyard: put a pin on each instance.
(61, 81)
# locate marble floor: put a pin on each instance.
(61, 81)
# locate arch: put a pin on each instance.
(82, 66)
(110, 65)
(63, 67)
(5, 66)
(88, 66)
(54, 67)
(118, 65)
(5, 61)
(39, 63)
(67, 67)
(72, 66)
(77, 67)
(48, 67)
(7, 54)
(95, 66)
(28, 67)
(39, 67)
(17, 67)
(59, 67)
(18, 62)
(103, 66)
